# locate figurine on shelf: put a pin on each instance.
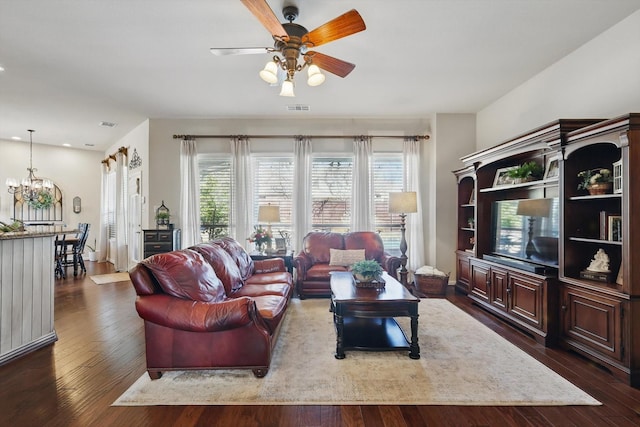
(600, 262)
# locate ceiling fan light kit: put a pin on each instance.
(293, 40)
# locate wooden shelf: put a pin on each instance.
(598, 241)
(597, 196)
(541, 183)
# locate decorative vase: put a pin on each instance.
(599, 188)
(364, 279)
(261, 247)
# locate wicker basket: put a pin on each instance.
(428, 285)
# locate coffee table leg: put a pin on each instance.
(414, 347)
(339, 320)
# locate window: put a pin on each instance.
(331, 179)
(274, 186)
(387, 178)
(215, 196)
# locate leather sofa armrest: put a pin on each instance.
(270, 265)
(302, 263)
(391, 264)
(197, 316)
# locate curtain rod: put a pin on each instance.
(416, 137)
(113, 156)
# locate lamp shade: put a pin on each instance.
(316, 78)
(534, 207)
(269, 214)
(270, 73)
(404, 202)
(287, 88)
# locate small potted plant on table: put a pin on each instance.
(366, 271)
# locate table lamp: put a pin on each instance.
(403, 203)
(533, 208)
(269, 214)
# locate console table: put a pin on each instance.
(287, 257)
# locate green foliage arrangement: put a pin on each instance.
(527, 170)
(594, 176)
(43, 201)
(367, 268)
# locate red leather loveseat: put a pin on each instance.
(210, 307)
(314, 262)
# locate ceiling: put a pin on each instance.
(71, 64)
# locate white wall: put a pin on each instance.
(453, 137)
(601, 79)
(76, 172)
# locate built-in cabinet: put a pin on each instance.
(559, 299)
(600, 316)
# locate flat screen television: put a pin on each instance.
(526, 230)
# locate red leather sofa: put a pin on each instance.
(313, 262)
(210, 307)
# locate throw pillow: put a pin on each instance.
(345, 258)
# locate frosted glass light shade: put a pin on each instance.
(287, 88)
(270, 73)
(316, 78)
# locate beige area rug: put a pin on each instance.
(101, 279)
(462, 363)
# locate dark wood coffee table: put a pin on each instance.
(364, 317)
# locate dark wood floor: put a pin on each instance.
(100, 353)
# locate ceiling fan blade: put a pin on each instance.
(224, 51)
(267, 18)
(342, 26)
(329, 63)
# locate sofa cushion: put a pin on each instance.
(239, 255)
(185, 274)
(345, 257)
(316, 245)
(223, 264)
(321, 271)
(281, 289)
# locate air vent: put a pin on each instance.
(108, 124)
(298, 107)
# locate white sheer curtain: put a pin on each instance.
(415, 229)
(301, 190)
(361, 194)
(189, 193)
(104, 215)
(242, 205)
(121, 257)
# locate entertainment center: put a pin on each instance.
(545, 254)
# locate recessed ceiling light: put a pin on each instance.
(16, 138)
(66, 145)
(108, 124)
(1, 68)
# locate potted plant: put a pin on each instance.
(595, 181)
(367, 270)
(528, 171)
(93, 254)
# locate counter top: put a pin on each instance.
(36, 231)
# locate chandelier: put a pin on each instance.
(32, 188)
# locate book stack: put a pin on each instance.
(610, 226)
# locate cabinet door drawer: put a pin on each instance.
(593, 321)
(165, 236)
(480, 280)
(150, 236)
(527, 299)
(158, 247)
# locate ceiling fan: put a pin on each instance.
(292, 43)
